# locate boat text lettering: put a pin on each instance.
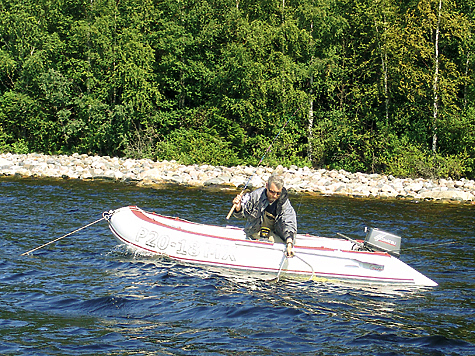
(184, 247)
(385, 240)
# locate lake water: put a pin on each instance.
(85, 295)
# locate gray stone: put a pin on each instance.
(145, 172)
(214, 181)
(5, 164)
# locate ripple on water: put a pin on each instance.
(86, 295)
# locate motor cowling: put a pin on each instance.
(380, 240)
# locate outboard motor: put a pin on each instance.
(382, 241)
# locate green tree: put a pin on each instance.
(146, 78)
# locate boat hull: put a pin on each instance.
(227, 247)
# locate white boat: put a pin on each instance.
(227, 247)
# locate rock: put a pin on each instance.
(279, 169)
(213, 181)
(238, 181)
(5, 164)
(255, 182)
(448, 195)
(176, 179)
(414, 187)
(147, 172)
(152, 174)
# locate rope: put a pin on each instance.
(281, 265)
(62, 237)
(301, 259)
(308, 264)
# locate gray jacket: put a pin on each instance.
(253, 205)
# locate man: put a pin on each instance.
(269, 213)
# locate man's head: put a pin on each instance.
(274, 186)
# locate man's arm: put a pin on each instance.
(289, 222)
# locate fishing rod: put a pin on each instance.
(262, 158)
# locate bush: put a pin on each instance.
(20, 147)
(188, 146)
(4, 146)
(411, 160)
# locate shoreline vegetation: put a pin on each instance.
(382, 87)
(149, 173)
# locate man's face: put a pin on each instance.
(273, 193)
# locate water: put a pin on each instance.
(85, 295)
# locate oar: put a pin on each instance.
(62, 237)
(262, 158)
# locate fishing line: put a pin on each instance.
(62, 237)
(262, 158)
(300, 203)
(435, 243)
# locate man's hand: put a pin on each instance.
(289, 252)
(237, 202)
(236, 205)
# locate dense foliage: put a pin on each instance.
(370, 85)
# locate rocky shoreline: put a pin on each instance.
(299, 180)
